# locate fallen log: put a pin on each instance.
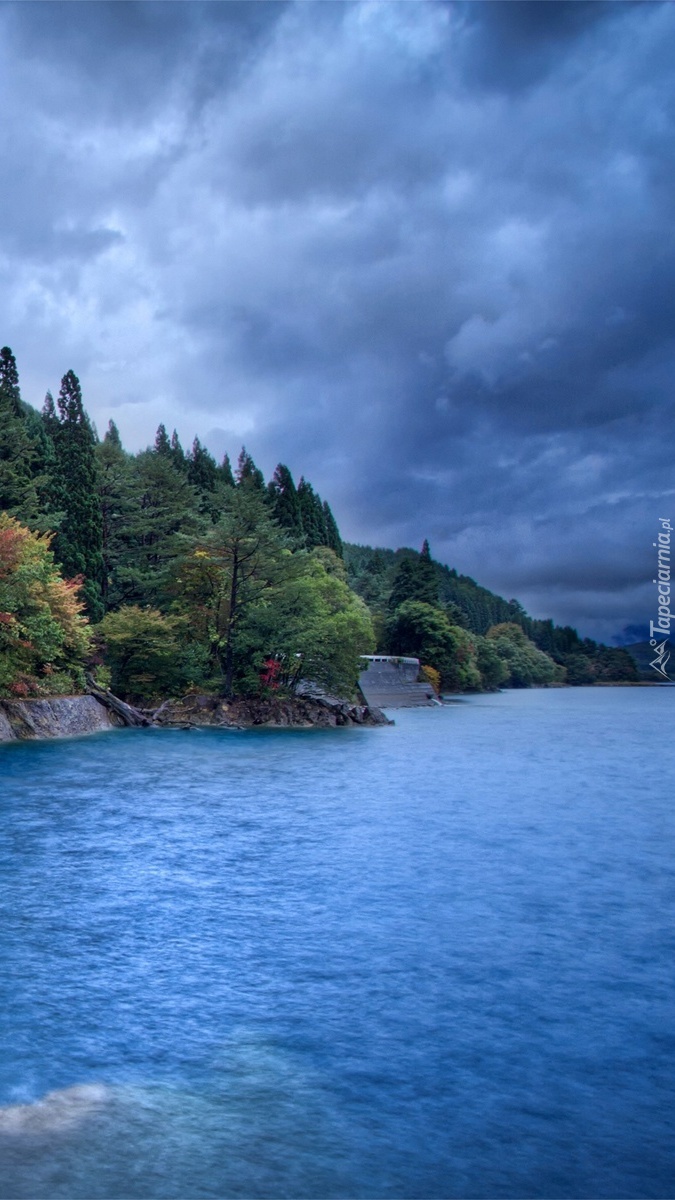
(126, 712)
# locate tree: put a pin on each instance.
(423, 631)
(158, 510)
(202, 470)
(333, 539)
(230, 568)
(44, 639)
(177, 453)
(162, 443)
(416, 579)
(225, 472)
(19, 456)
(527, 666)
(284, 503)
(150, 654)
(248, 475)
(313, 519)
(114, 470)
(78, 543)
(202, 473)
(494, 672)
(312, 625)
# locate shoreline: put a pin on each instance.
(54, 717)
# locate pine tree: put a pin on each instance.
(426, 576)
(162, 443)
(19, 465)
(9, 381)
(313, 520)
(248, 474)
(112, 435)
(202, 471)
(177, 453)
(284, 503)
(225, 472)
(332, 532)
(78, 543)
(114, 468)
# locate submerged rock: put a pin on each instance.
(298, 712)
(57, 1111)
(58, 716)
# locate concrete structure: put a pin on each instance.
(390, 682)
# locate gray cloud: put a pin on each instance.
(423, 253)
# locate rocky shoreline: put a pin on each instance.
(72, 716)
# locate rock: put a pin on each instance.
(56, 1112)
(58, 716)
(298, 712)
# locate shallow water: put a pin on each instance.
(434, 960)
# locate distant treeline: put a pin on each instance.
(166, 570)
(386, 579)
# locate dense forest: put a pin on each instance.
(164, 571)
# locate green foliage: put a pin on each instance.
(616, 666)
(527, 666)
(313, 625)
(313, 519)
(152, 509)
(579, 669)
(44, 639)
(149, 653)
(178, 535)
(284, 504)
(19, 448)
(494, 672)
(423, 631)
(248, 475)
(228, 570)
(225, 472)
(78, 545)
(416, 579)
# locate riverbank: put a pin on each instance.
(72, 716)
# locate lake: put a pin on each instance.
(433, 960)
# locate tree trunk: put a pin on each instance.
(127, 714)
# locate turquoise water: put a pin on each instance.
(434, 960)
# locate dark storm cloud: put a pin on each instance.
(422, 252)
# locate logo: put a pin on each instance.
(661, 661)
(661, 626)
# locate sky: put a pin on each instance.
(421, 252)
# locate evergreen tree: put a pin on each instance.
(284, 503)
(112, 436)
(248, 474)
(162, 443)
(159, 509)
(202, 471)
(225, 472)
(416, 579)
(334, 541)
(9, 381)
(404, 587)
(19, 466)
(79, 542)
(313, 519)
(177, 453)
(114, 472)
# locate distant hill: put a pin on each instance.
(377, 574)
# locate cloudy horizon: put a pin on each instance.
(422, 253)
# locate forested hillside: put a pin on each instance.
(165, 571)
(416, 601)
